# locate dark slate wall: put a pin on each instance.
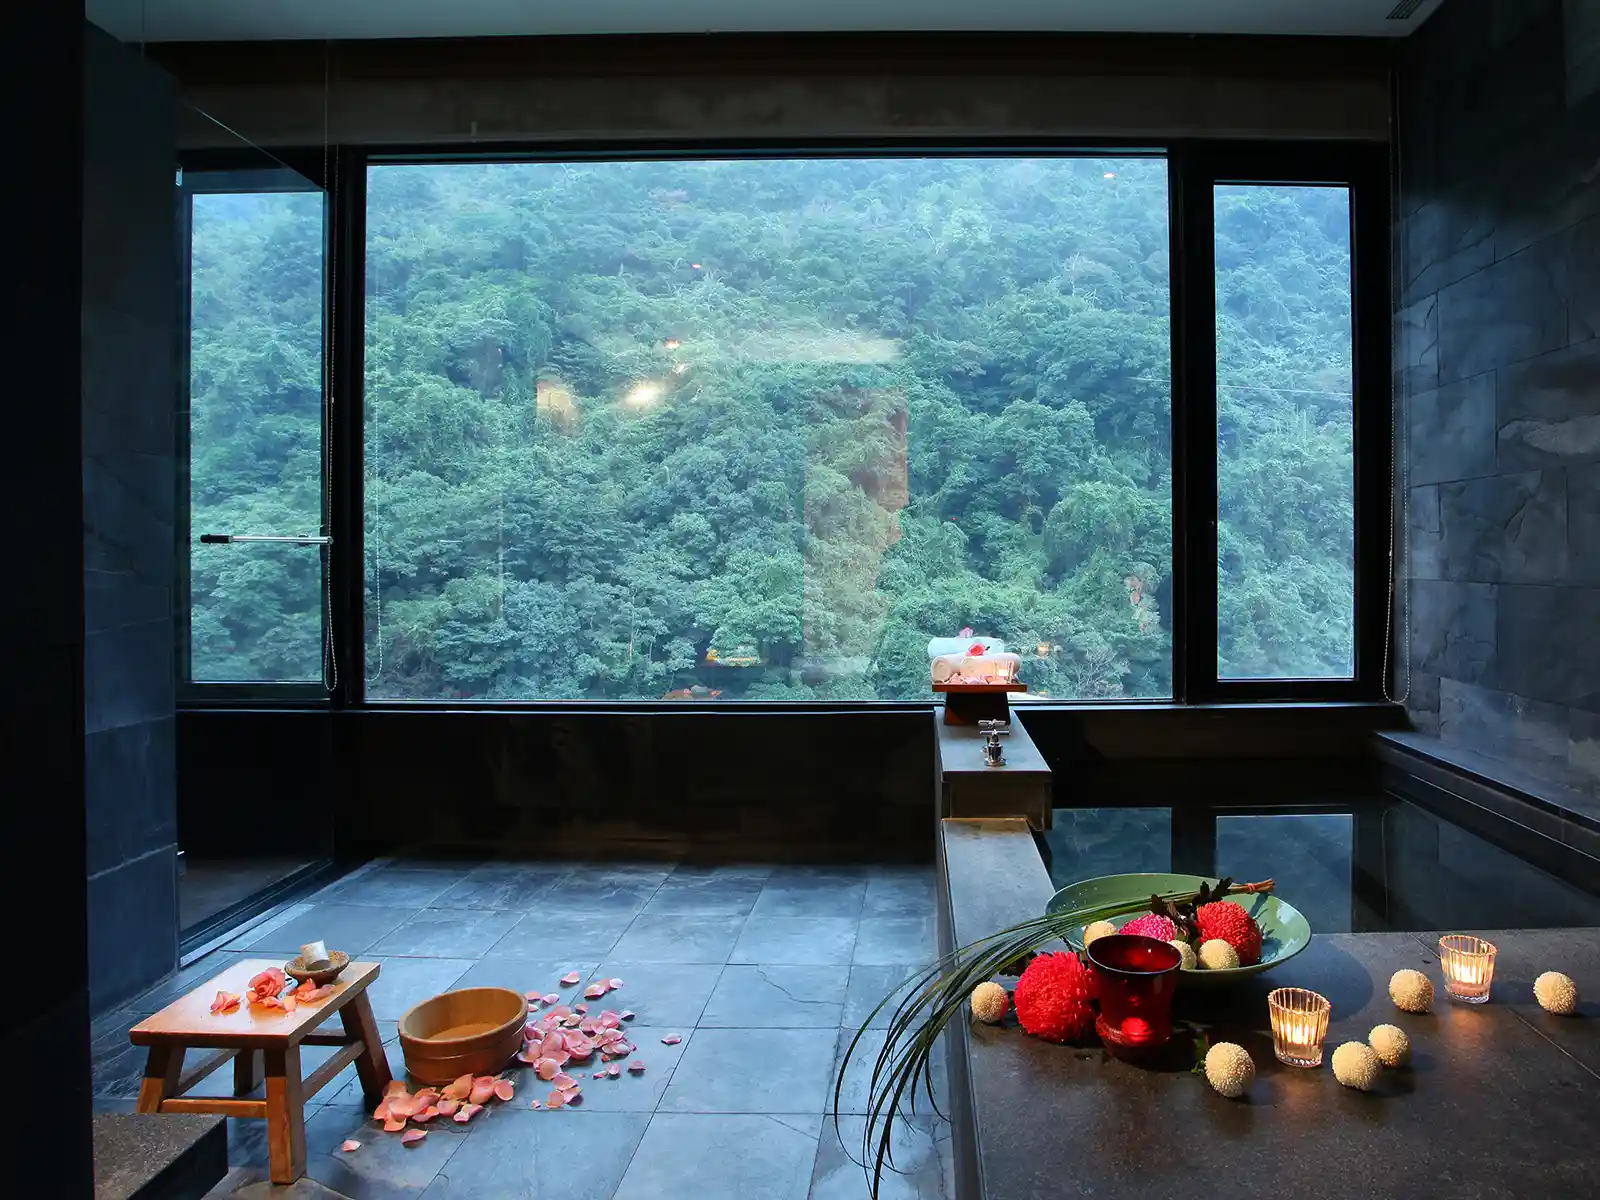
(46, 1034)
(1498, 361)
(130, 293)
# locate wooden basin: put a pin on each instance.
(475, 1031)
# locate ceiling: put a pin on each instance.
(254, 20)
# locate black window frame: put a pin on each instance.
(1194, 166)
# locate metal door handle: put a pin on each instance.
(224, 539)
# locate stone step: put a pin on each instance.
(166, 1156)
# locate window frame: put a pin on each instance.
(216, 170)
(1194, 167)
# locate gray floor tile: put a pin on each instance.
(383, 1167)
(886, 941)
(868, 986)
(705, 893)
(396, 887)
(854, 1096)
(406, 982)
(577, 894)
(776, 997)
(747, 1157)
(753, 1071)
(352, 928)
(525, 975)
(900, 893)
(447, 933)
(622, 874)
(917, 1173)
(705, 939)
(518, 886)
(512, 1151)
(544, 936)
(796, 941)
(825, 898)
(660, 993)
(628, 1092)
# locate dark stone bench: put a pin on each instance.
(158, 1157)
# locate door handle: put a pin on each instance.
(225, 539)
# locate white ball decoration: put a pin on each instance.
(1411, 990)
(1556, 993)
(1217, 955)
(989, 1002)
(1099, 929)
(1230, 1069)
(1390, 1044)
(1356, 1066)
(1187, 952)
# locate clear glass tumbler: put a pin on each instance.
(1468, 966)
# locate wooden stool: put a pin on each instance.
(248, 1035)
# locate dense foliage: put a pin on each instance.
(760, 429)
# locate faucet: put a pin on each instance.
(994, 754)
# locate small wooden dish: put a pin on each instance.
(296, 968)
(475, 1031)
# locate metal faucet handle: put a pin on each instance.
(994, 727)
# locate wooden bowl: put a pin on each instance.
(296, 968)
(475, 1031)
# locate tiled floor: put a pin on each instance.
(765, 972)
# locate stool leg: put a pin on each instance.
(286, 1114)
(162, 1068)
(246, 1072)
(373, 1066)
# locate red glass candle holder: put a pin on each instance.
(1137, 978)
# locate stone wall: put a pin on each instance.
(1498, 366)
(130, 297)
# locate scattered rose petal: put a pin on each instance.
(532, 997)
(614, 1070)
(564, 1082)
(313, 995)
(595, 990)
(671, 1039)
(614, 983)
(504, 1089)
(546, 1068)
(626, 1014)
(482, 1090)
(399, 1085)
(402, 1106)
(550, 998)
(394, 1124)
(381, 1113)
(466, 1112)
(637, 1066)
(570, 978)
(559, 1012)
(609, 1020)
(349, 1145)
(426, 1114)
(555, 1100)
(447, 1108)
(572, 1093)
(459, 1090)
(581, 1009)
(287, 1003)
(225, 1002)
(534, 1104)
(427, 1097)
(412, 1136)
(599, 1075)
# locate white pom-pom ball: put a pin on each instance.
(1390, 1044)
(1356, 1066)
(1099, 929)
(1411, 991)
(989, 1002)
(1556, 993)
(1187, 952)
(1230, 1069)
(1217, 955)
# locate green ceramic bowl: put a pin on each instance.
(1284, 930)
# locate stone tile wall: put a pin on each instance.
(1498, 369)
(130, 299)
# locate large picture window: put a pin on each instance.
(759, 429)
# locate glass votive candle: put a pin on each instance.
(1468, 966)
(1299, 1026)
(1137, 978)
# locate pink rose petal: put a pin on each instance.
(412, 1136)
(350, 1144)
(482, 1090)
(564, 1082)
(614, 1070)
(555, 1100)
(504, 1089)
(447, 1108)
(425, 1115)
(570, 978)
(550, 998)
(671, 1039)
(459, 1090)
(381, 1113)
(532, 997)
(534, 1104)
(637, 1066)
(614, 983)
(609, 1020)
(547, 1068)
(466, 1112)
(595, 990)
(396, 1086)
(626, 1014)
(559, 1012)
(599, 1075)
(394, 1124)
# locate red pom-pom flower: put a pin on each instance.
(1053, 998)
(1230, 922)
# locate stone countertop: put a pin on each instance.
(1501, 1099)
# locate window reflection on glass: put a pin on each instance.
(255, 435)
(759, 430)
(1084, 843)
(1285, 450)
(1311, 855)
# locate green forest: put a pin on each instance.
(760, 429)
